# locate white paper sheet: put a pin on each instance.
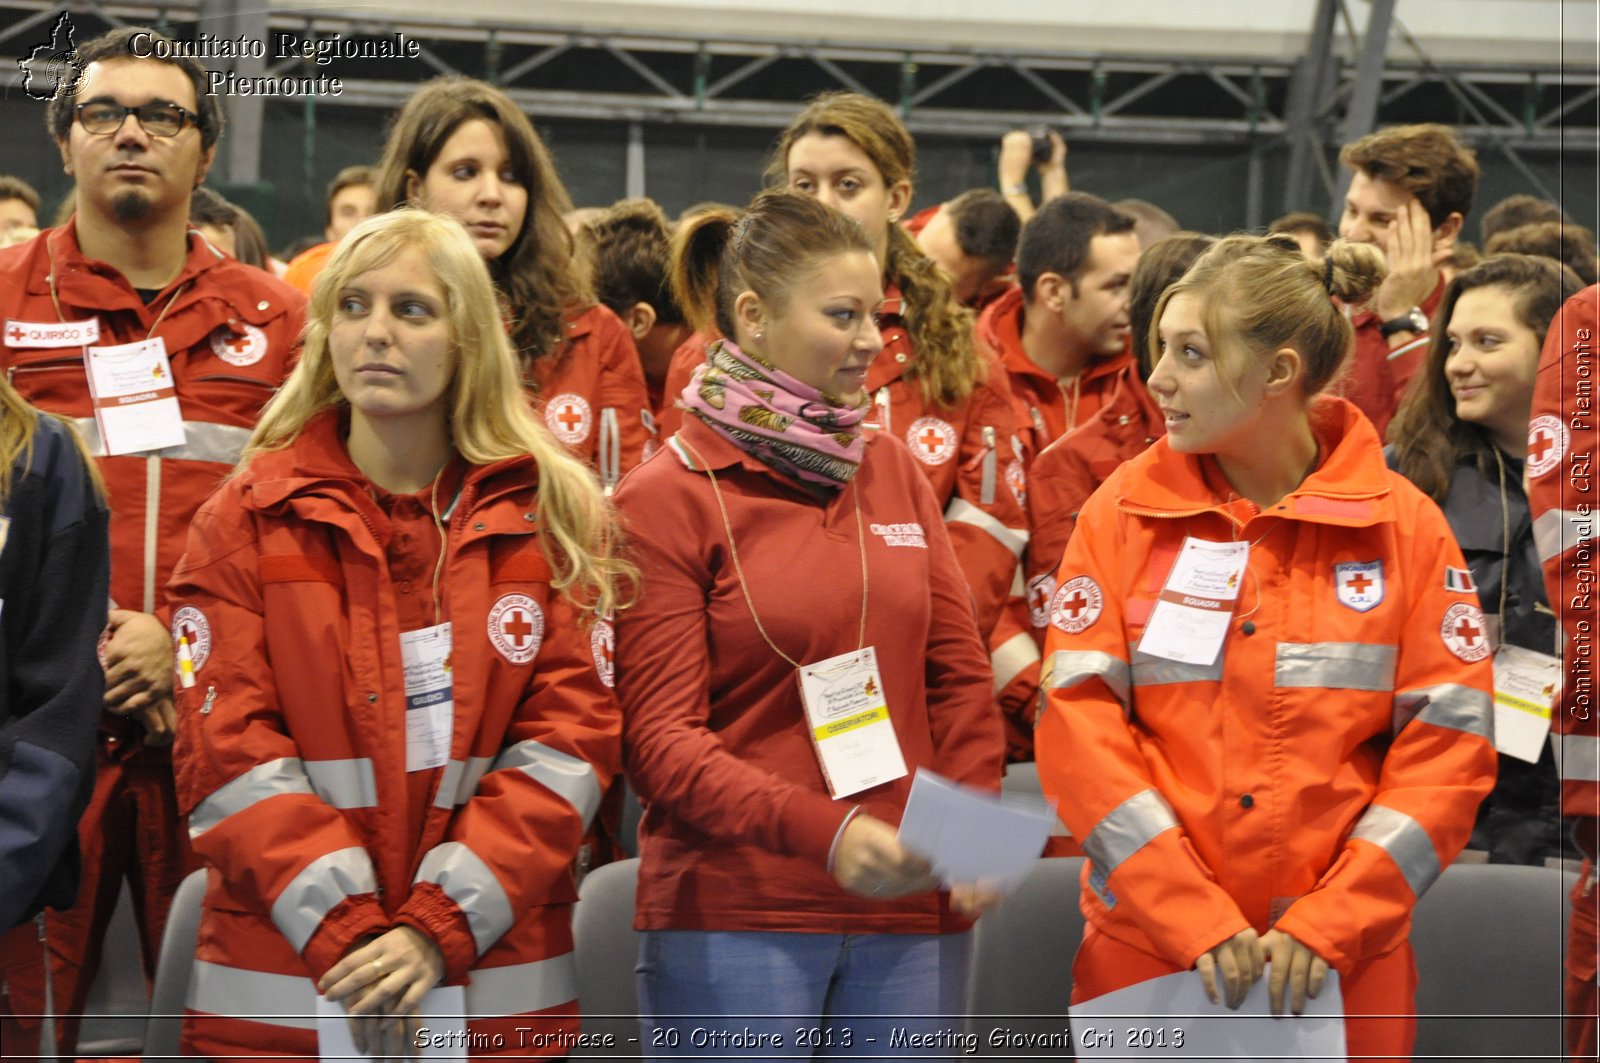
(971, 835)
(1170, 1018)
(443, 1014)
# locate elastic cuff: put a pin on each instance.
(350, 920)
(808, 824)
(429, 910)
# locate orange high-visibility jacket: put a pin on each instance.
(1324, 769)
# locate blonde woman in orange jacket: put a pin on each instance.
(1267, 677)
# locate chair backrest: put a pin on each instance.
(1489, 940)
(1022, 963)
(173, 967)
(607, 949)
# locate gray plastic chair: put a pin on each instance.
(607, 949)
(1488, 939)
(1022, 963)
(173, 966)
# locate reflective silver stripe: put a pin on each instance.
(152, 528)
(275, 999)
(1128, 828)
(570, 777)
(1407, 844)
(285, 775)
(460, 781)
(289, 1001)
(1335, 665)
(1010, 658)
(344, 783)
(523, 987)
(1148, 671)
(1068, 668)
(960, 511)
(1577, 757)
(1460, 708)
(610, 449)
(1558, 530)
(1019, 586)
(308, 898)
(203, 441)
(468, 881)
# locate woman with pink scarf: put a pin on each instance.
(803, 643)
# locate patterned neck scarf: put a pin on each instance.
(793, 427)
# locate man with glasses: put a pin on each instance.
(126, 284)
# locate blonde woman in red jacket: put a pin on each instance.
(1268, 709)
(461, 147)
(780, 545)
(395, 721)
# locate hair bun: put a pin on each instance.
(1355, 270)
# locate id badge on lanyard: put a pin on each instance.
(1190, 620)
(135, 399)
(430, 705)
(849, 722)
(1526, 683)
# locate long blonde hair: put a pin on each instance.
(490, 419)
(19, 424)
(948, 365)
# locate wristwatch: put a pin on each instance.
(1413, 320)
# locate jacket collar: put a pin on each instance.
(1349, 486)
(318, 464)
(79, 274)
(1000, 327)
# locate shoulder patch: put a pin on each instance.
(602, 645)
(1547, 444)
(1464, 632)
(516, 627)
(1041, 589)
(1076, 605)
(569, 417)
(190, 623)
(1460, 580)
(933, 441)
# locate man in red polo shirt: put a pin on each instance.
(1063, 332)
(1412, 187)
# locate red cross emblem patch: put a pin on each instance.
(570, 418)
(190, 623)
(1359, 584)
(933, 441)
(1464, 632)
(602, 643)
(1076, 604)
(516, 627)
(243, 348)
(1547, 444)
(1041, 589)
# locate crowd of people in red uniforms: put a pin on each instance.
(1034, 430)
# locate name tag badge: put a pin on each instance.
(430, 708)
(850, 726)
(135, 400)
(51, 334)
(1190, 619)
(1526, 683)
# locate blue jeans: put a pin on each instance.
(771, 995)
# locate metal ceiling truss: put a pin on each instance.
(1239, 101)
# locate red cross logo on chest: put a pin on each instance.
(15, 335)
(932, 440)
(1359, 583)
(1541, 446)
(239, 345)
(570, 419)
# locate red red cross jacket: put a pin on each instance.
(1315, 777)
(291, 751)
(594, 399)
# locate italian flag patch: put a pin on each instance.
(1459, 579)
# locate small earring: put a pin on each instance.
(759, 335)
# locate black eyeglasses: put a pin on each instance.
(102, 118)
